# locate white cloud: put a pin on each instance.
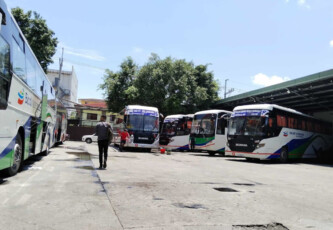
(83, 53)
(303, 3)
(264, 80)
(138, 50)
(331, 43)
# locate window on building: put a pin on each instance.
(92, 116)
(112, 118)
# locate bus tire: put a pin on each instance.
(18, 157)
(320, 155)
(211, 153)
(46, 152)
(284, 155)
(88, 141)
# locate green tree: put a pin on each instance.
(41, 39)
(118, 87)
(174, 86)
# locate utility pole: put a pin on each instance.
(61, 60)
(225, 89)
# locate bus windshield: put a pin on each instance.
(204, 124)
(142, 123)
(175, 127)
(247, 126)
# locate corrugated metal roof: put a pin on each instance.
(308, 94)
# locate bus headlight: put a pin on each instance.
(260, 145)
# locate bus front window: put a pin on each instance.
(142, 123)
(247, 126)
(204, 124)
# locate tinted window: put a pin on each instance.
(18, 60)
(4, 72)
(31, 72)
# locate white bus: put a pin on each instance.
(266, 131)
(142, 123)
(208, 132)
(175, 132)
(27, 99)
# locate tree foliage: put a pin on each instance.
(118, 87)
(41, 39)
(174, 86)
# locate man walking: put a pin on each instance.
(103, 130)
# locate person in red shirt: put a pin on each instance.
(124, 136)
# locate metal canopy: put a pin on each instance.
(313, 93)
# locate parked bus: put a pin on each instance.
(208, 132)
(27, 108)
(142, 123)
(175, 132)
(266, 131)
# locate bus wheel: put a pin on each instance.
(46, 152)
(284, 155)
(320, 155)
(17, 158)
(211, 153)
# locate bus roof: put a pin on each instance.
(175, 116)
(212, 111)
(142, 107)
(268, 107)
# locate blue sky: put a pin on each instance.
(252, 43)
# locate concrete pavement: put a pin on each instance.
(65, 190)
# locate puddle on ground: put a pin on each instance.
(81, 147)
(191, 206)
(272, 226)
(124, 157)
(157, 198)
(85, 156)
(244, 184)
(225, 190)
(86, 167)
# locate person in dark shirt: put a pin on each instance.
(102, 132)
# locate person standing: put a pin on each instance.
(124, 136)
(103, 130)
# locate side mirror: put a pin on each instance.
(225, 116)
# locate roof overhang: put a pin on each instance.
(310, 94)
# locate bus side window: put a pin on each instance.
(4, 73)
(291, 122)
(309, 126)
(303, 125)
(281, 121)
(221, 125)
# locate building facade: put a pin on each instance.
(66, 86)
